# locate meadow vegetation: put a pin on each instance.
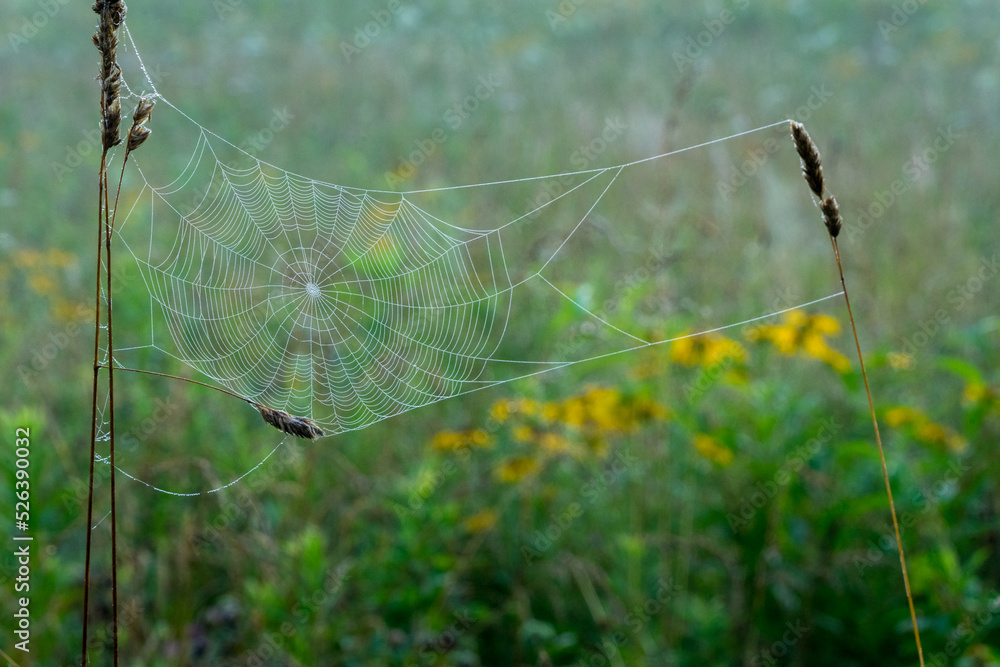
(715, 501)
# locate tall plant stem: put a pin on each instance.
(93, 407)
(109, 231)
(812, 170)
(881, 454)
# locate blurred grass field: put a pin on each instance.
(717, 502)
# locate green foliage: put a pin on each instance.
(673, 507)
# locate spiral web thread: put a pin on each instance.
(344, 305)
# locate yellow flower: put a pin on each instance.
(924, 429)
(901, 362)
(706, 350)
(500, 411)
(646, 408)
(804, 333)
(479, 438)
(574, 412)
(61, 259)
(603, 408)
(448, 441)
(825, 324)
(41, 284)
(975, 392)
(524, 433)
(555, 443)
(936, 434)
(682, 351)
(480, 522)
(979, 393)
(454, 440)
(712, 449)
(900, 415)
(515, 469)
(28, 258)
(551, 412)
(528, 406)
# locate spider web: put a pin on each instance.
(348, 305)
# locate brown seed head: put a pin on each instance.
(302, 427)
(111, 13)
(138, 132)
(812, 168)
(831, 215)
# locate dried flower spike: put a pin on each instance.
(112, 13)
(812, 169)
(138, 132)
(831, 215)
(303, 427)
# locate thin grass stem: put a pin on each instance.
(812, 171)
(109, 232)
(881, 454)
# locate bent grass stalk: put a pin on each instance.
(812, 171)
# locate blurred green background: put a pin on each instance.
(712, 503)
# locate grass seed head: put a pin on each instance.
(112, 14)
(139, 132)
(302, 427)
(831, 215)
(812, 167)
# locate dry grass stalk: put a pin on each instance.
(302, 427)
(812, 170)
(112, 13)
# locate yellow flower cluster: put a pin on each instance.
(806, 334)
(981, 394)
(450, 441)
(40, 269)
(599, 410)
(480, 522)
(706, 350)
(924, 429)
(517, 468)
(712, 449)
(555, 428)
